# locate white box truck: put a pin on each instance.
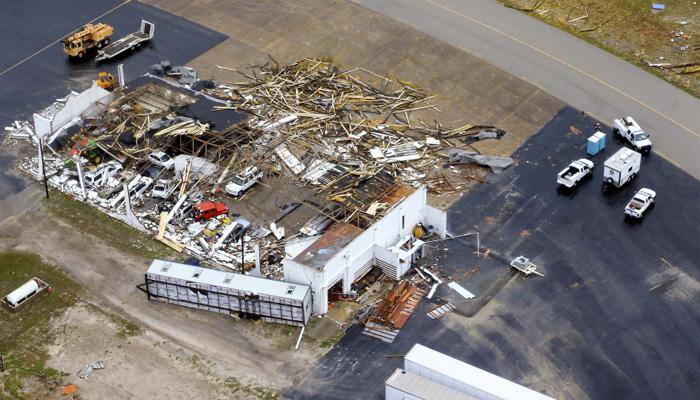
(621, 168)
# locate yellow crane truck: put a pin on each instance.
(78, 43)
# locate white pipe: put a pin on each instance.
(299, 339)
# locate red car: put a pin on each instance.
(208, 209)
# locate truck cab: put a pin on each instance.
(629, 130)
(91, 35)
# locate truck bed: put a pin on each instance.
(123, 44)
(571, 171)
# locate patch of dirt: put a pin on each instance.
(137, 367)
(240, 353)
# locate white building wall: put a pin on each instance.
(78, 104)
(347, 263)
(438, 219)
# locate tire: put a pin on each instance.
(81, 54)
(633, 177)
(106, 41)
(616, 131)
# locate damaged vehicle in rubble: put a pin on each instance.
(243, 181)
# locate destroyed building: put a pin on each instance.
(305, 173)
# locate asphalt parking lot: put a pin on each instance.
(615, 315)
(50, 74)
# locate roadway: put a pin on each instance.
(562, 65)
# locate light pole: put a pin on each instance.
(43, 168)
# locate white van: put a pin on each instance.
(243, 181)
(101, 174)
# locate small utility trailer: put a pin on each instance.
(128, 42)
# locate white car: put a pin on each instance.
(571, 176)
(163, 188)
(641, 202)
(243, 181)
(161, 159)
(630, 130)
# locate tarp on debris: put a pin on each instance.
(496, 163)
(200, 166)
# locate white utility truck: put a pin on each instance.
(642, 201)
(629, 129)
(243, 181)
(573, 174)
(621, 168)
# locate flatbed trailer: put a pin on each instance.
(128, 42)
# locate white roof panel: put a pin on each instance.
(470, 375)
(622, 158)
(423, 388)
(230, 280)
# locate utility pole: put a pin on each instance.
(43, 167)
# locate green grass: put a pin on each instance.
(94, 222)
(125, 328)
(24, 333)
(634, 33)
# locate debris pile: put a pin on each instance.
(389, 316)
(344, 143)
(86, 371)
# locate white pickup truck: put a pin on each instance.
(641, 202)
(573, 174)
(629, 129)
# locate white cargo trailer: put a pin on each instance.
(621, 168)
(428, 374)
(228, 293)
